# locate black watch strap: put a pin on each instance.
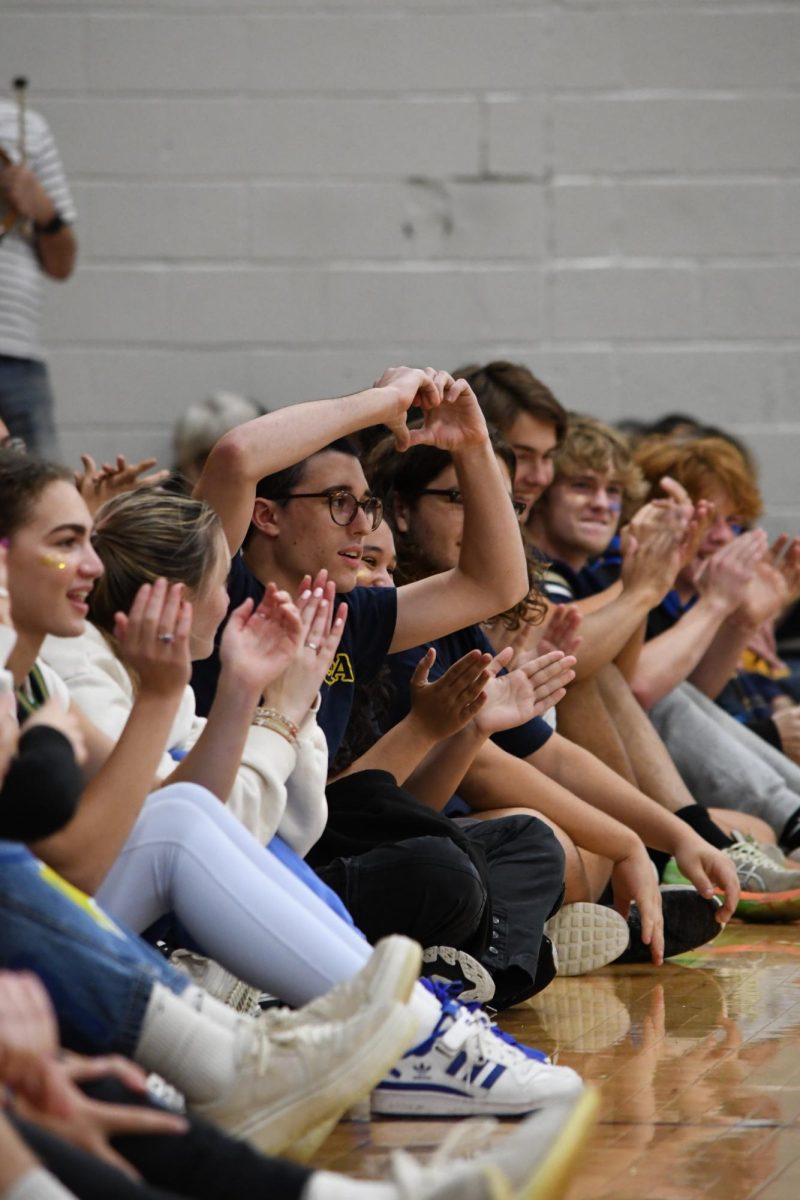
(54, 225)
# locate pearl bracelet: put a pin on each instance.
(270, 718)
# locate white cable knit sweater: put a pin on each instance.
(278, 789)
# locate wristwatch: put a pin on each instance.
(54, 225)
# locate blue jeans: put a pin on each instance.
(99, 975)
(26, 404)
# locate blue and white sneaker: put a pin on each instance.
(468, 1068)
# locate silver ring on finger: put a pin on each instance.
(313, 646)
(166, 638)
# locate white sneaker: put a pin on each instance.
(448, 965)
(292, 1080)
(535, 1162)
(387, 977)
(760, 870)
(465, 1068)
(586, 936)
(770, 889)
(218, 982)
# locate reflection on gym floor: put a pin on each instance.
(699, 1066)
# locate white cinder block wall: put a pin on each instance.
(282, 197)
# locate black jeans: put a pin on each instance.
(486, 887)
(526, 874)
(426, 888)
(202, 1163)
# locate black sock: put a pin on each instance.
(790, 838)
(697, 816)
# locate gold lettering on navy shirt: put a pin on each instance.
(341, 670)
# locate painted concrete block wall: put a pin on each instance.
(283, 196)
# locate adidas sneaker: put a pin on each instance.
(468, 1067)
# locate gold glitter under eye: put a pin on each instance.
(50, 560)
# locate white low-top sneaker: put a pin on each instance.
(466, 1068)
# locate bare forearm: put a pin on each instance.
(440, 773)
(57, 252)
(399, 751)
(271, 443)
(607, 630)
(602, 788)
(16, 1160)
(498, 780)
(215, 758)
(84, 851)
(628, 658)
(721, 659)
(670, 658)
(492, 551)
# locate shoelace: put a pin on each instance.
(748, 849)
(447, 995)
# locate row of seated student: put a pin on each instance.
(383, 797)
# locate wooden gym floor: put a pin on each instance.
(699, 1066)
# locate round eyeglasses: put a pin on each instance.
(343, 505)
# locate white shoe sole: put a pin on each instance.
(479, 985)
(586, 937)
(402, 1102)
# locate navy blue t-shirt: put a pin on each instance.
(521, 741)
(368, 633)
(562, 584)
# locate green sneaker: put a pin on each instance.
(770, 890)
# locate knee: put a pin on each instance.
(448, 889)
(188, 793)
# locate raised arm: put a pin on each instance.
(279, 439)
(491, 574)
(706, 643)
(155, 638)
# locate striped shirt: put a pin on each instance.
(20, 275)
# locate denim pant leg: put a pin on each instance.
(99, 975)
(26, 404)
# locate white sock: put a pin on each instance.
(427, 1010)
(218, 1012)
(322, 1185)
(188, 1047)
(37, 1184)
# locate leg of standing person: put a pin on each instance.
(26, 404)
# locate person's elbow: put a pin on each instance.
(645, 692)
(229, 458)
(512, 585)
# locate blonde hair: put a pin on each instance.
(147, 534)
(591, 445)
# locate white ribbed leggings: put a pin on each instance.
(188, 855)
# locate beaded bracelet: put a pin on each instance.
(270, 718)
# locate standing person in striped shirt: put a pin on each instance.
(41, 242)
